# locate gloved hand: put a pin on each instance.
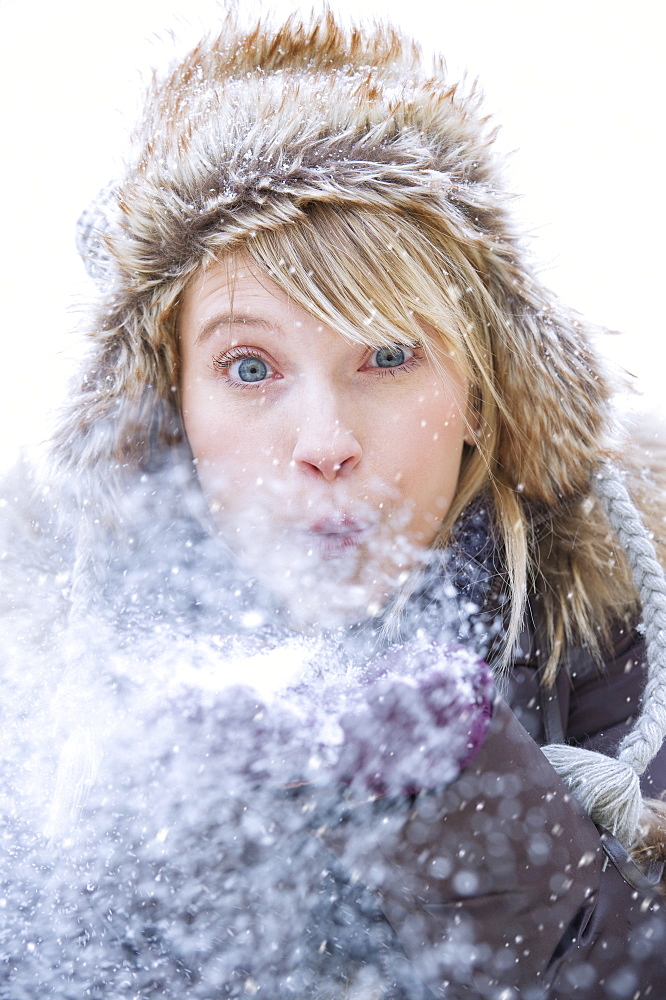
(483, 862)
(419, 720)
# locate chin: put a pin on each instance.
(323, 600)
(321, 613)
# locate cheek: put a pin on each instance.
(424, 438)
(213, 438)
(424, 450)
(234, 442)
(205, 424)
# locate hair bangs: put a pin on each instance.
(369, 275)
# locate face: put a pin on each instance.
(328, 466)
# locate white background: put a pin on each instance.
(577, 86)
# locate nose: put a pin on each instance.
(325, 446)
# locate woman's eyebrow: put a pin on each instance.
(230, 320)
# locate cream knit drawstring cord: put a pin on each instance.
(608, 788)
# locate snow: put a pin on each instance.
(182, 856)
(191, 792)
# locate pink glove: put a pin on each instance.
(422, 718)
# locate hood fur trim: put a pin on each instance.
(248, 131)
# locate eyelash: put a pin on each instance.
(223, 362)
(406, 366)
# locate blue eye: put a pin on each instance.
(389, 357)
(250, 370)
(243, 365)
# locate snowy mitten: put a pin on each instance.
(421, 721)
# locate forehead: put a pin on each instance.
(233, 300)
(234, 279)
(237, 291)
(226, 292)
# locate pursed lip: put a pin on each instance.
(341, 524)
(333, 536)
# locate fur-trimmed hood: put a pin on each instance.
(255, 131)
(249, 132)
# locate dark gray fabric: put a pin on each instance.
(537, 910)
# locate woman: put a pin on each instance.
(331, 425)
